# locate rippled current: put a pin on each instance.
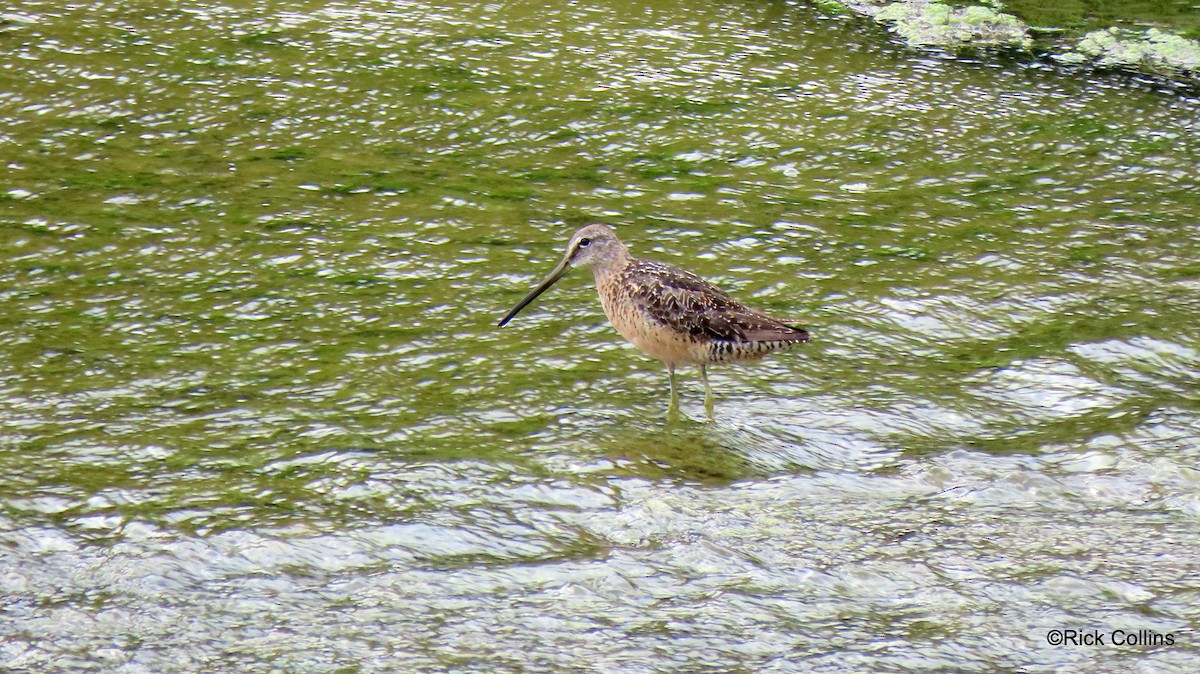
(255, 414)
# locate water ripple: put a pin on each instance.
(257, 414)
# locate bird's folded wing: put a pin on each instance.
(687, 303)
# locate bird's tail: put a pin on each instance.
(802, 335)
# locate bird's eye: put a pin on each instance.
(584, 243)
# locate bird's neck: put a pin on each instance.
(612, 266)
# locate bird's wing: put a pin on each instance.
(688, 303)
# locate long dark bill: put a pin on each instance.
(559, 271)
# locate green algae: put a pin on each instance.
(1058, 33)
(1152, 49)
(936, 24)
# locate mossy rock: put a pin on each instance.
(1152, 48)
(939, 25)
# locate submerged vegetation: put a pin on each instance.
(1162, 44)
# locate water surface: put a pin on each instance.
(257, 417)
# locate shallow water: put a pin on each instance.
(1177, 16)
(257, 417)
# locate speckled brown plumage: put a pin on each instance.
(667, 312)
(705, 325)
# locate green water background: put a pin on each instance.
(257, 417)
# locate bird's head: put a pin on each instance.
(594, 246)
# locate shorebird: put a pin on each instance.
(667, 312)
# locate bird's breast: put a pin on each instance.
(668, 343)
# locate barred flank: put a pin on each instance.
(725, 351)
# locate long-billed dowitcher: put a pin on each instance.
(667, 312)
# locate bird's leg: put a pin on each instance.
(673, 408)
(708, 396)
